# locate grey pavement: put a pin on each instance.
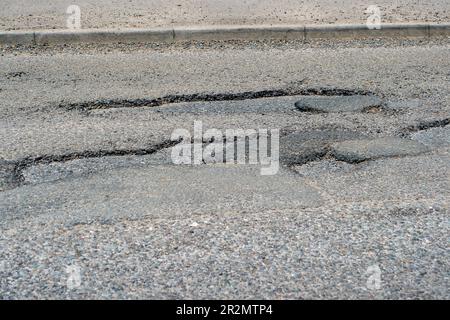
(86, 178)
(45, 14)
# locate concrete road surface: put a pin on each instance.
(92, 206)
(45, 14)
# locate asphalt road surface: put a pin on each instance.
(91, 205)
(45, 14)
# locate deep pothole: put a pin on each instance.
(296, 148)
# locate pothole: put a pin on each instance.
(437, 137)
(55, 171)
(296, 148)
(211, 97)
(355, 151)
(337, 104)
(302, 147)
(15, 173)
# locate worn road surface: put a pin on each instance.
(91, 205)
(45, 14)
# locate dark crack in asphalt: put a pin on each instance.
(425, 125)
(12, 170)
(208, 97)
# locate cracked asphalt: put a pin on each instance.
(86, 177)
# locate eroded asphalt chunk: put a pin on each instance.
(333, 104)
(434, 137)
(55, 171)
(304, 146)
(354, 151)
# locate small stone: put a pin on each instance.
(354, 151)
(330, 104)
